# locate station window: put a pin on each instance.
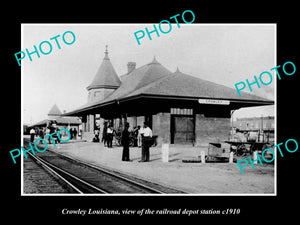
(179, 111)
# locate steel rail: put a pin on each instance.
(101, 169)
(84, 187)
(114, 174)
(46, 167)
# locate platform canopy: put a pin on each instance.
(55, 115)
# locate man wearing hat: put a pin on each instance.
(146, 142)
(125, 143)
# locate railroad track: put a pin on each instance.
(76, 184)
(88, 179)
(40, 180)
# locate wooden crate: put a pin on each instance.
(219, 150)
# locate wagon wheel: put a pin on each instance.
(241, 150)
(233, 149)
(253, 147)
(131, 142)
(118, 140)
(265, 146)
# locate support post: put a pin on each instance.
(231, 157)
(165, 152)
(202, 155)
(255, 157)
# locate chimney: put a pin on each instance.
(130, 66)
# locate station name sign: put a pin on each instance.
(213, 101)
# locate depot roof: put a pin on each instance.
(54, 111)
(65, 120)
(106, 76)
(153, 79)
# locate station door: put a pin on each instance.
(182, 129)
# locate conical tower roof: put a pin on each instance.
(139, 78)
(106, 76)
(54, 111)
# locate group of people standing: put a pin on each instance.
(107, 136)
(144, 138)
(73, 133)
(145, 134)
(41, 132)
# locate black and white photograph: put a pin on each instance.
(188, 112)
(129, 112)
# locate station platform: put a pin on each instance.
(192, 178)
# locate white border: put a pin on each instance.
(141, 24)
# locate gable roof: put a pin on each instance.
(139, 78)
(155, 79)
(106, 76)
(183, 85)
(134, 80)
(54, 111)
(65, 120)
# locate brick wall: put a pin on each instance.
(140, 120)
(161, 127)
(211, 129)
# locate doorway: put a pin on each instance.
(182, 129)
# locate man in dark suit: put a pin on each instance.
(125, 143)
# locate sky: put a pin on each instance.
(222, 53)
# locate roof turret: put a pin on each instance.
(106, 76)
(54, 111)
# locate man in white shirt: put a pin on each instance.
(32, 133)
(146, 143)
(139, 136)
(109, 136)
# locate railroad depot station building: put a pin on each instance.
(180, 109)
(55, 116)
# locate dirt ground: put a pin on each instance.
(193, 178)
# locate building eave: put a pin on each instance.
(259, 102)
(102, 86)
(88, 108)
(241, 102)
